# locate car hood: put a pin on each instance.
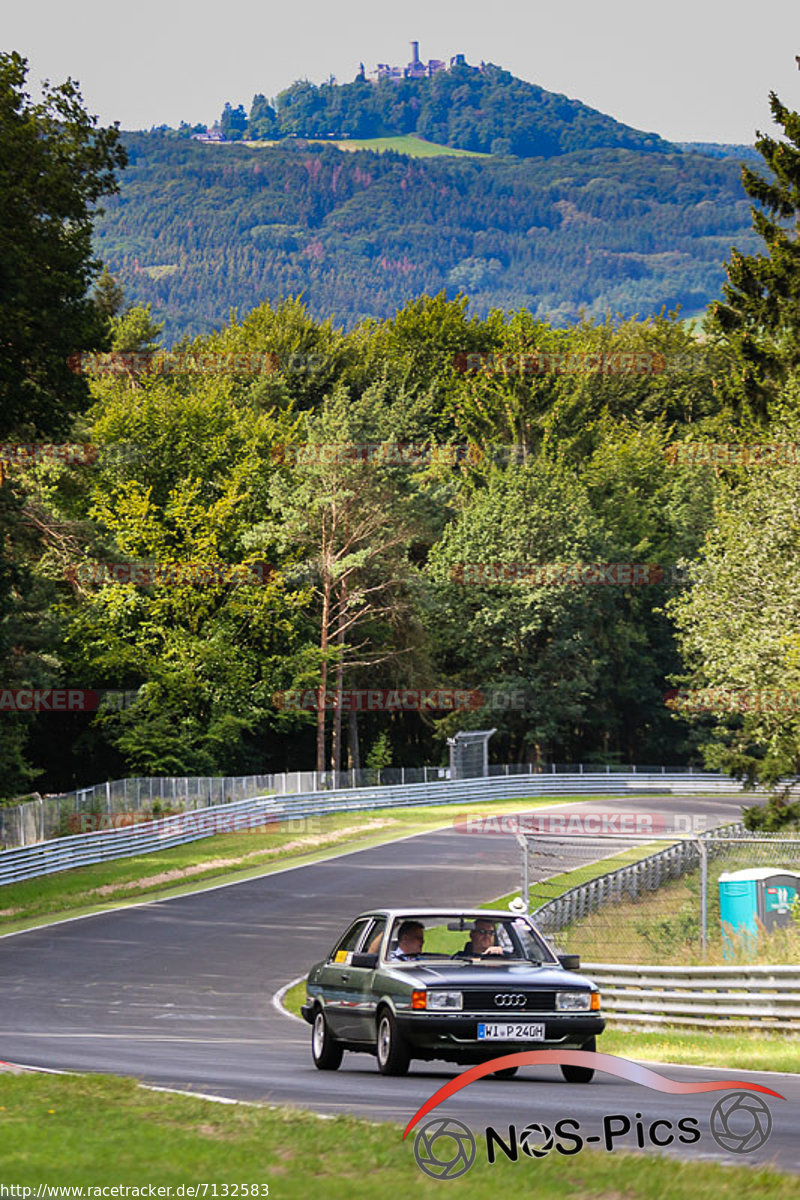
(512, 975)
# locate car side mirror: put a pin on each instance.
(364, 960)
(570, 962)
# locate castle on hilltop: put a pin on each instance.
(416, 69)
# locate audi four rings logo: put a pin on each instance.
(510, 1000)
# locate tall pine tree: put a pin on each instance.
(761, 313)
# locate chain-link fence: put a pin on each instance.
(103, 805)
(45, 817)
(636, 899)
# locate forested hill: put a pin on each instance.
(487, 110)
(198, 229)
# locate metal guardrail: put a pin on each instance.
(743, 997)
(45, 817)
(61, 854)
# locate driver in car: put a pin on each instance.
(482, 940)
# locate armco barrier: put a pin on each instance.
(60, 854)
(38, 819)
(749, 997)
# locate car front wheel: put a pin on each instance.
(392, 1050)
(506, 1073)
(325, 1050)
(580, 1074)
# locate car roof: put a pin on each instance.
(466, 911)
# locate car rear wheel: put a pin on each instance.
(325, 1050)
(506, 1073)
(580, 1074)
(392, 1049)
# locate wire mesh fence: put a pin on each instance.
(45, 817)
(103, 805)
(650, 902)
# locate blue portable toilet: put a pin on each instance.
(756, 895)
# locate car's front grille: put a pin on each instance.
(508, 1000)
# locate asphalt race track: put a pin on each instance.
(180, 993)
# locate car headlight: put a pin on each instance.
(574, 1001)
(450, 1000)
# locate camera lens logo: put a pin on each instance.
(740, 1122)
(444, 1148)
(536, 1140)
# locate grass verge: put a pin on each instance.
(89, 1130)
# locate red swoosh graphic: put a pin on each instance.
(610, 1063)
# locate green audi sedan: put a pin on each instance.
(461, 985)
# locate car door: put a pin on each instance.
(359, 1015)
(335, 978)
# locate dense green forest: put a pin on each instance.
(199, 229)
(250, 521)
(192, 468)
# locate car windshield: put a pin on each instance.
(468, 938)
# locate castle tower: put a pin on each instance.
(415, 54)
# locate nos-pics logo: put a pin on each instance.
(445, 1148)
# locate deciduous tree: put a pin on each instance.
(55, 166)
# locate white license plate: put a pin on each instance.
(506, 1031)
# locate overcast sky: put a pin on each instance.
(691, 70)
